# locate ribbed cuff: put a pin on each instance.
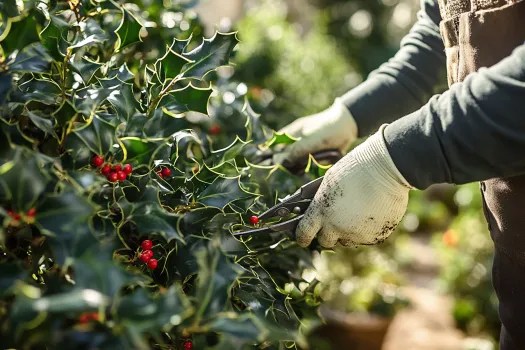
(374, 152)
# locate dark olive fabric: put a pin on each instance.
(406, 82)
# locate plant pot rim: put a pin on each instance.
(355, 319)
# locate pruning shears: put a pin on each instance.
(292, 206)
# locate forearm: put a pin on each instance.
(475, 131)
(407, 81)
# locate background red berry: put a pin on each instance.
(117, 168)
(188, 345)
(254, 219)
(113, 177)
(214, 129)
(93, 316)
(98, 161)
(106, 169)
(127, 169)
(166, 172)
(31, 212)
(122, 176)
(147, 244)
(152, 264)
(84, 318)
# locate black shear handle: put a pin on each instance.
(330, 156)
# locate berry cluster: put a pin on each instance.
(165, 172)
(29, 217)
(188, 345)
(147, 255)
(114, 173)
(85, 318)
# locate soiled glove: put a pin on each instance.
(333, 128)
(362, 199)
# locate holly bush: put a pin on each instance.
(117, 208)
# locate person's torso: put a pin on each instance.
(479, 33)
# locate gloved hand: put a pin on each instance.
(333, 128)
(361, 200)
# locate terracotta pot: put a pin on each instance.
(349, 331)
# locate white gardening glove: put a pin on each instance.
(333, 128)
(362, 199)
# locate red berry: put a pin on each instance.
(14, 215)
(98, 161)
(106, 169)
(127, 169)
(146, 255)
(214, 129)
(117, 168)
(166, 172)
(159, 173)
(122, 176)
(152, 264)
(113, 177)
(93, 316)
(147, 244)
(254, 219)
(84, 318)
(188, 345)
(31, 212)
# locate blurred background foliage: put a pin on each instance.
(295, 57)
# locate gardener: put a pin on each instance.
(475, 131)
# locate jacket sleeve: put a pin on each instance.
(405, 82)
(473, 132)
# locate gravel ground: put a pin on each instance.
(427, 324)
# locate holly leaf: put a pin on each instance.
(172, 63)
(33, 58)
(40, 90)
(214, 280)
(64, 113)
(315, 169)
(19, 33)
(124, 101)
(210, 55)
(189, 98)
(84, 67)
(88, 100)
(21, 178)
(249, 328)
(146, 314)
(53, 36)
(222, 192)
(162, 125)
(142, 151)
(123, 73)
(149, 217)
(280, 138)
(128, 31)
(101, 274)
(42, 122)
(6, 85)
(96, 136)
(64, 218)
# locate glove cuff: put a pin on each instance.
(374, 153)
(342, 112)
